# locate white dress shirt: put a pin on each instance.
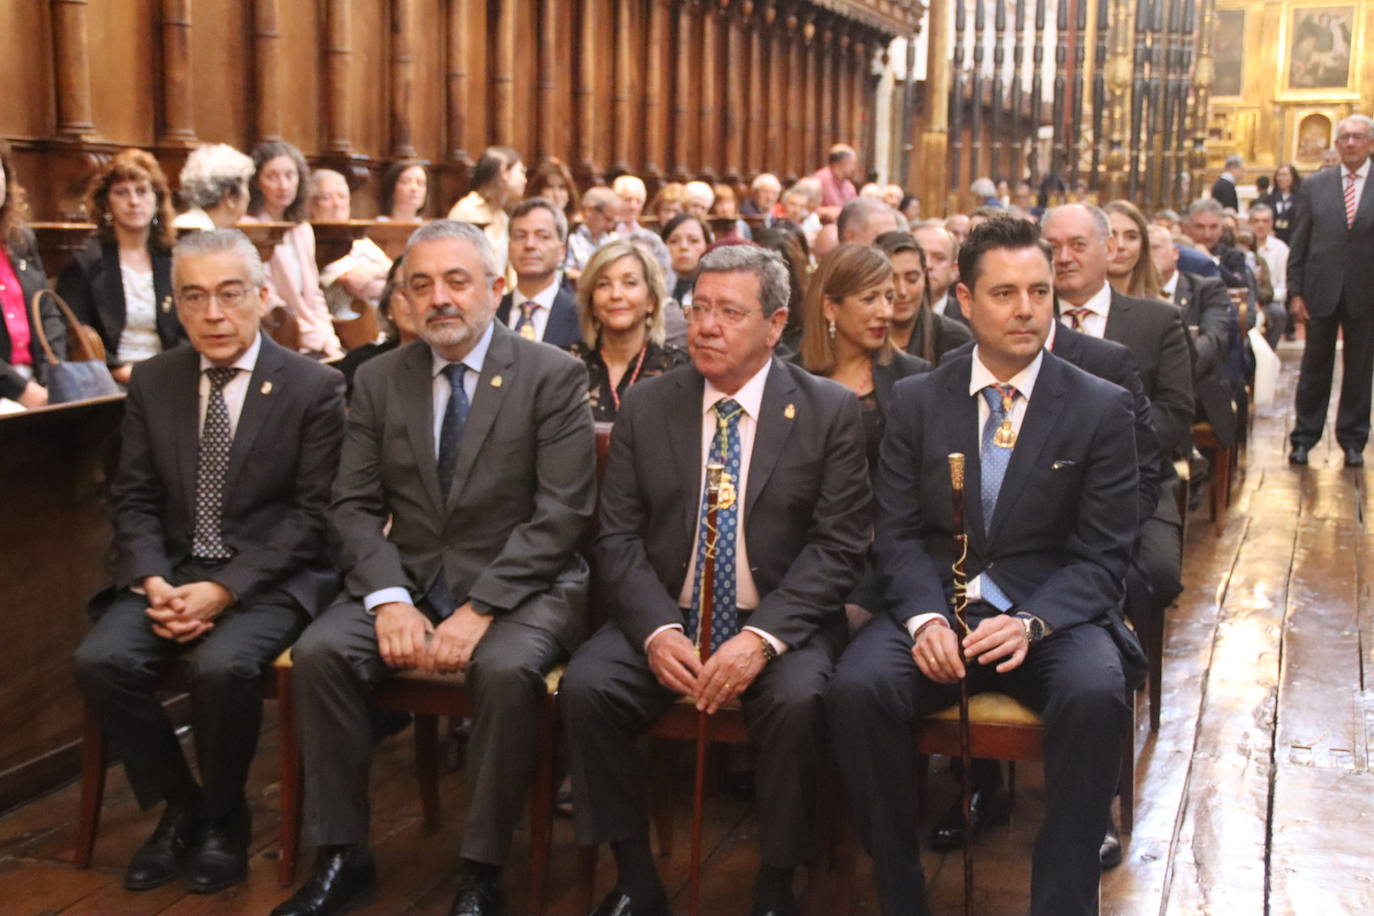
(1099, 305)
(750, 399)
(1275, 254)
(235, 390)
(442, 391)
(979, 378)
(1166, 292)
(543, 305)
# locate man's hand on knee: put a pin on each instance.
(1001, 638)
(455, 639)
(673, 660)
(401, 634)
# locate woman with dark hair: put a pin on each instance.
(393, 314)
(789, 241)
(686, 237)
(552, 181)
(404, 191)
(1131, 270)
(279, 192)
(1283, 200)
(498, 184)
(120, 282)
(22, 362)
(916, 327)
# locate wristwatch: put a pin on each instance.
(769, 653)
(1035, 627)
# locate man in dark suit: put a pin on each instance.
(465, 485)
(1224, 188)
(942, 268)
(1205, 306)
(1206, 227)
(792, 546)
(1331, 285)
(1051, 489)
(541, 306)
(229, 448)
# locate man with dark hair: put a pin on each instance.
(1224, 188)
(540, 306)
(228, 451)
(942, 267)
(466, 484)
(792, 533)
(1051, 486)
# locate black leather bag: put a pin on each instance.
(83, 376)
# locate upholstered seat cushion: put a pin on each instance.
(992, 709)
(456, 679)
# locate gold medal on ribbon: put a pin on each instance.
(727, 492)
(1005, 436)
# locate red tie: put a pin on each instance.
(1350, 202)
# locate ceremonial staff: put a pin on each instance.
(715, 472)
(956, 479)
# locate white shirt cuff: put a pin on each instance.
(385, 596)
(778, 645)
(915, 623)
(666, 626)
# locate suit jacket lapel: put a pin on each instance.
(415, 390)
(503, 310)
(486, 404)
(682, 419)
(562, 319)
(772, 428)
(258, 404)
(183, 400)
(1042, 414)
(961, 425)
(1117, 317)
(113, 281)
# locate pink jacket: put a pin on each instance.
(305, 301)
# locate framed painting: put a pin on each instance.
(1319, 56)
(1228, 53)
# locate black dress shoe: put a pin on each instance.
(1298, 455)
(1110, 853)
(160, 859)
(343, 881)
(1354, 457)
(477, 897)
(619, 904)
(987, 807)
(219, 858)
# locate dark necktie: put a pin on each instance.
(451, 431)
(993, 460)
(212, 462)
(524, 326)
(725, 448)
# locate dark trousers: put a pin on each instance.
(1073, 679)
(1155, 577)
(609, 697)
(1314, 382)
(119, 663)
(336, 666)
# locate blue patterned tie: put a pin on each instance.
(450, 436)
(993, 460)
(724, 614)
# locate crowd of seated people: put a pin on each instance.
(814, 339)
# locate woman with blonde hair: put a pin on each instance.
(1131, 270)
(620, 300)
(120, 283)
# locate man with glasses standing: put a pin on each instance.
(228, 452)
(793, 528)
(1331, 285)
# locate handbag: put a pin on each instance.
(83, 375)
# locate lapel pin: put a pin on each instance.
(266, 388)
(496, 381)
(790, 411)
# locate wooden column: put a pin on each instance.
(682, 94)
(1118, 86)
(827, 79)
(956, 109)
(1075, 113)
(709, 109)
(860, 103)
(1134, 180)
(585, 94)
(736, 102)
(457, 76)
(178, 122)
(1059, 154)
(72, 65)
(844, 98)
(1019, 126)
(547, 90)
(1036, 103)
(1102, 27)
(774, 151)
(977, 139)
(503, 72)
(338, 51)
(999, 58)
(624, 122)
(813, 154)
(402, 77)
(267, 88)
(795, 156)
(755, 153)
(655, 86)
(933, 182)
(1203, 74)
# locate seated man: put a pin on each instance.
(1051, 514)
(791, 547)
(467, 481)
(228, 451)
(539, 307)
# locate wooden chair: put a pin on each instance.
(1223, 463)
(95, 753)
(427, 697)
(357, 332)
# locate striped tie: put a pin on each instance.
(1350, 202)
(1077, 317)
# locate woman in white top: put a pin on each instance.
(120, 283)
(279, 194)
(498, 184)
(214, 185)
(362, 272)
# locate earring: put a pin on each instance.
(831, 328)
(108, 217)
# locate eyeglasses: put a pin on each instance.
(727, 315)
(1353, 138)
(230, 296)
